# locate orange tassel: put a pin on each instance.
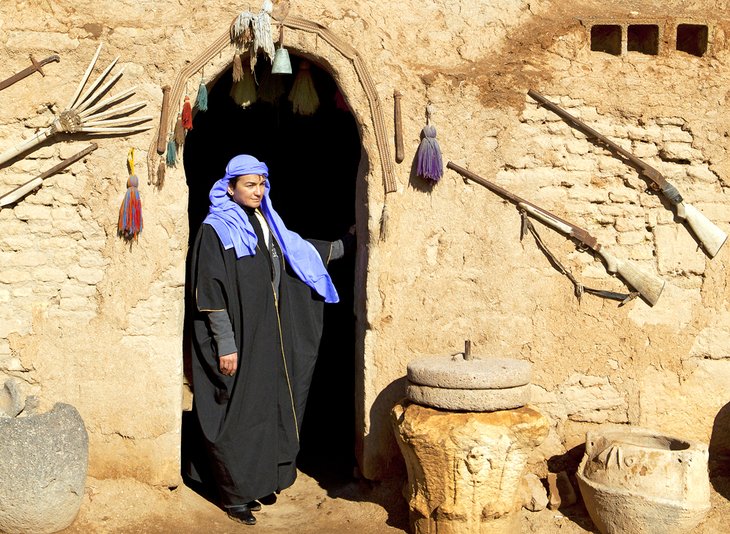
(187, 114)
(130, 212)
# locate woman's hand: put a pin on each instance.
(228, 364)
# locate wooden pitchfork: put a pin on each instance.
(90, 114)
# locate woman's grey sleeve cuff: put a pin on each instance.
(220, 326)
(337, 250)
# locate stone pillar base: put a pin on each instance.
(465, 468)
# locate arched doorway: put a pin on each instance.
(313, 165)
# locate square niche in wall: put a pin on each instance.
(606, 38)
(643, 38)
(692, 38)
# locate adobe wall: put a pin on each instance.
(89, 320)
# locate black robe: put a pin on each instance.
(250, 421)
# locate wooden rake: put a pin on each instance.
(89, 113)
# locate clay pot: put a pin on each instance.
(636, 480)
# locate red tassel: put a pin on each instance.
(187, 114)
(130, 212)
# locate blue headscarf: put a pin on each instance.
(234, 229)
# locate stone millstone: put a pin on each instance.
(470, 400)
(43, 465)
(454, 372)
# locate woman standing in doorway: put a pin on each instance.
(258, 290)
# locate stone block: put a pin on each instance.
(593, 399)
(702, 173)
(43, 468)
(534, 496)
(676, 134)
(631, 238)
(11, 401)
(29, 212)
(676, 251)
(645, 150)
(674, 150)
(670, 121)
(630, 224)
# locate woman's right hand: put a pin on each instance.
(228, 364)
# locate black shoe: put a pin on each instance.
(242, 514)
(268, 499)
(254, 506)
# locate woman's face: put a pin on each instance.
(248, 190)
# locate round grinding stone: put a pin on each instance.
(469, 400)
(455, 372)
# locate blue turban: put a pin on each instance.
(234, 229)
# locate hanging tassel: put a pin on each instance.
(201, 102)
(237, 68)
(244, 91)
(160, 175)
(303, 95)
(130, 212)
(171, 156)
(429, 164)
(271, 89)
(187, 114)
(179, 132)
(253, 32)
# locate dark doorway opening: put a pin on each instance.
(313, 163)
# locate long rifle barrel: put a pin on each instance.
(711, 237)
(567, 227)
(576, 123)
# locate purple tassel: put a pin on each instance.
(429, 164)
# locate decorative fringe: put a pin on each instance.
(201, 102)
(187, 114)
(179, 132)
(271, 89)
(160, 175)
(130, 212)
(244, 91)
(171, 155)
(253, 32)
(303, 95)
(237, 68)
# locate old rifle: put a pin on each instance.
(22, 190)
(649, 287)
(711, 237)
(36, 66)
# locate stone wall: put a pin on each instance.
(92, 321)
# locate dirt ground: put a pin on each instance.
(323, 505)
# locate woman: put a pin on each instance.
(258, 290)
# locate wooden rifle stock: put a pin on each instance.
(649, 287)
(711, 237)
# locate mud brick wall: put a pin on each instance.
(88, 319)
